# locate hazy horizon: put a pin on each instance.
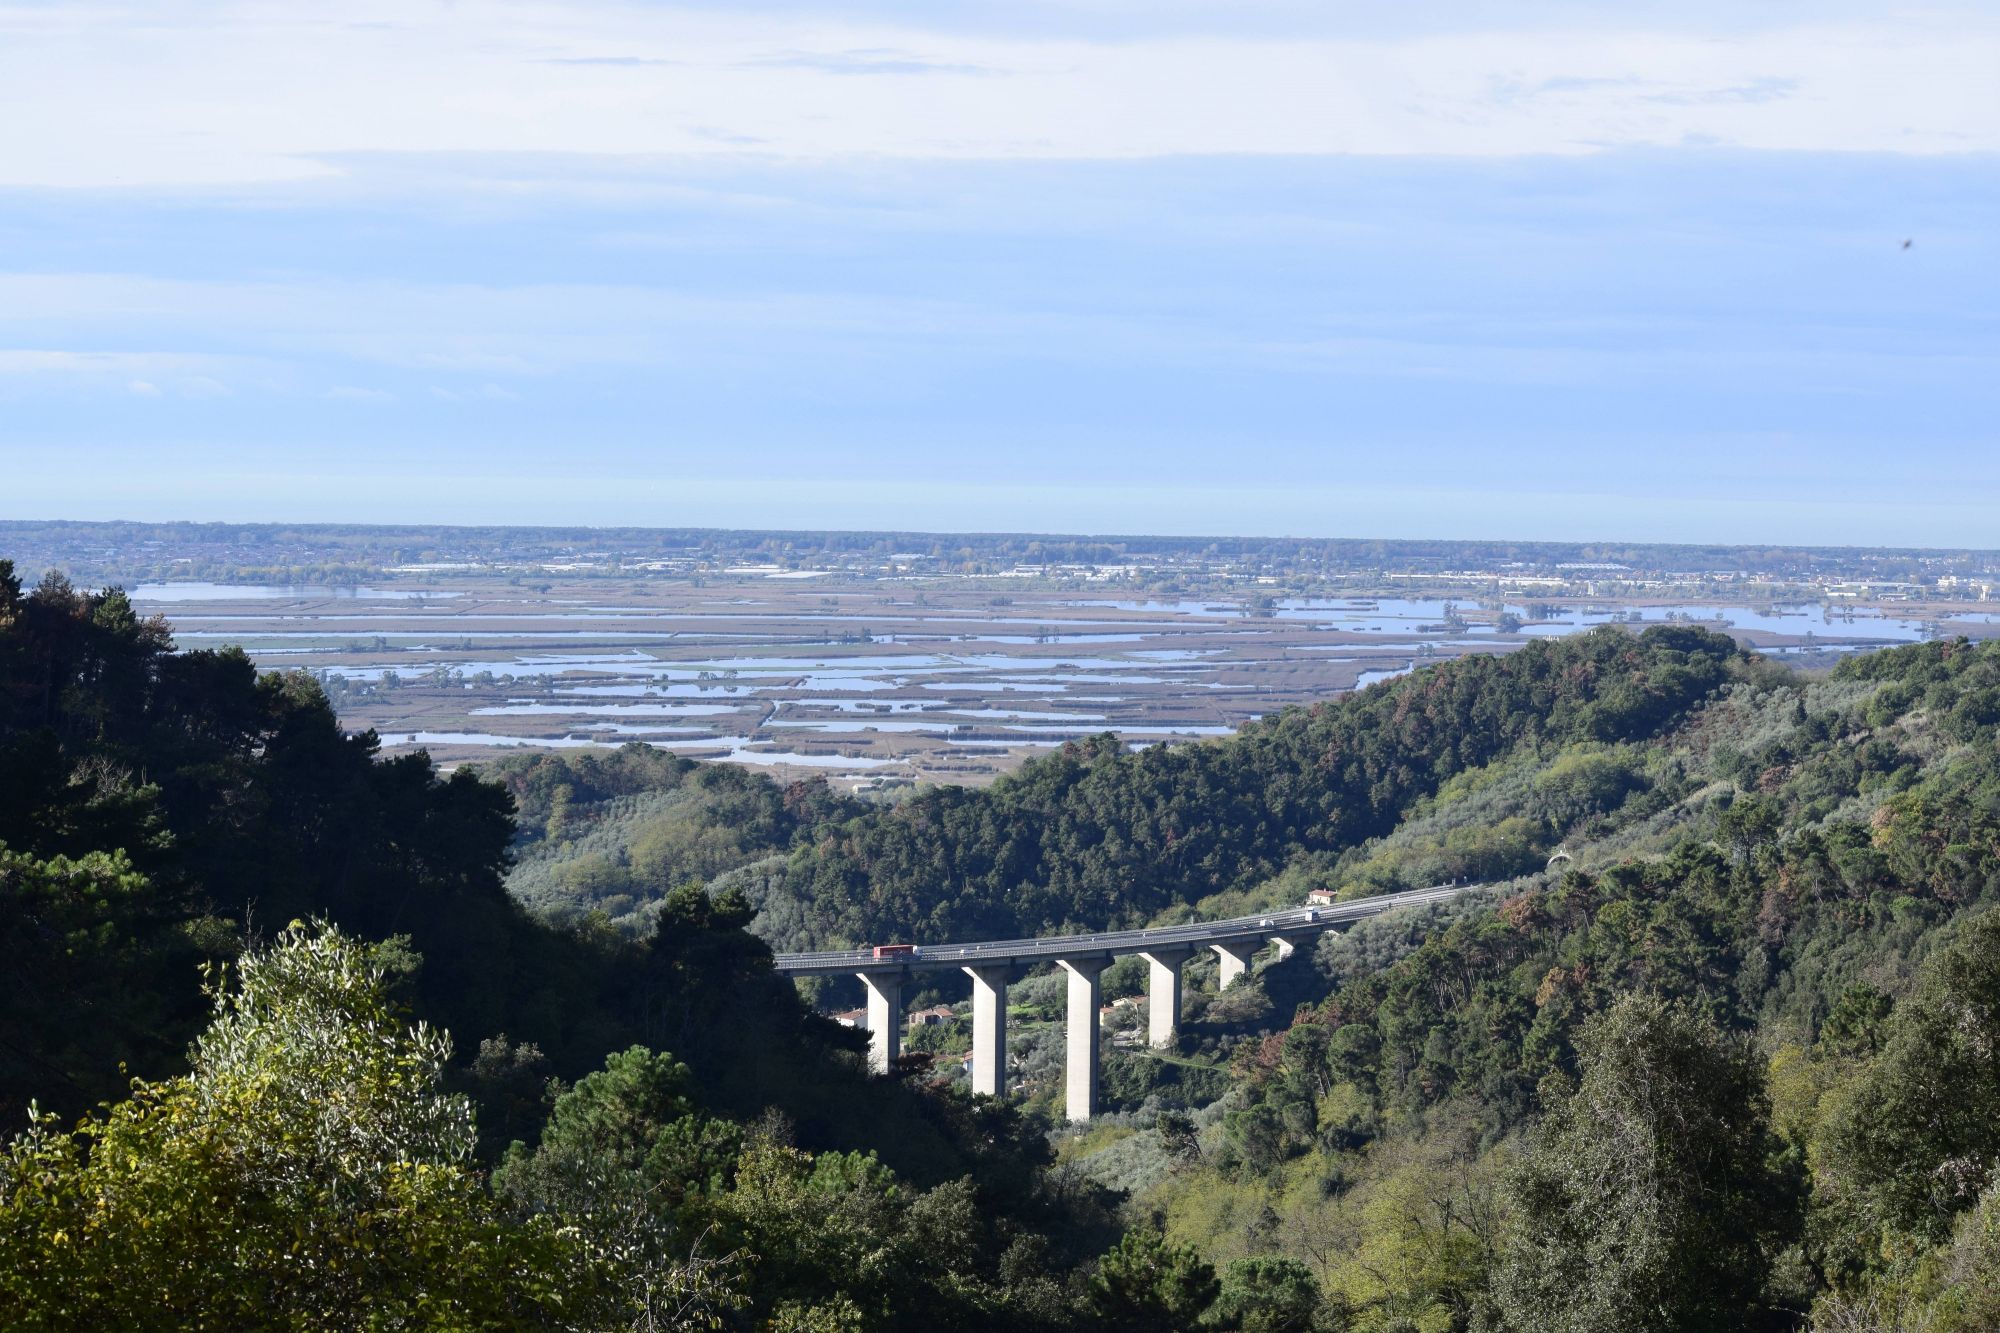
(1475, 539)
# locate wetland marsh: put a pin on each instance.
(865, 681)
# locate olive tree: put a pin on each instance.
(1647, 1199)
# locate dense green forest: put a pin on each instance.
(205, 886)
(1095, 834)
(1733, 1066)
(1721, 1053)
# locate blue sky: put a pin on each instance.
(1521, 271)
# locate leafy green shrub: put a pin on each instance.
(309, 1172)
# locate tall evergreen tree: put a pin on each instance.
(1647, 1202)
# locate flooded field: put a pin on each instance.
(873, 681)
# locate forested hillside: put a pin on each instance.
(1095, 834)
(1803, 1114)
(1788, 870)
(1719, 1055)
(207, 888)
(612, 832)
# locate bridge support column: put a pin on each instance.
(885, 1018)
(1163, 994)
(989, 1028)
(1235, 959)
(1080, 1083)
(1289, 944)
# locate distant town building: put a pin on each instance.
(852, 1018)
(937, 1013)
(1319, 897)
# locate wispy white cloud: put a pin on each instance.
(60, 362)
(611, 62)
(136, 374)
(180, 93)
(488, 393)
(1523, 311)
(878, 60)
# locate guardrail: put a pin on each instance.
(1050, 948)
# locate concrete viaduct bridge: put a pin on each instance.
(995, 963)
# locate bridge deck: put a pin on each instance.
(1051, 948)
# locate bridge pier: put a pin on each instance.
(1163, 994)
(1080, 1077)
(1289, 944)
(989, 1027)
(885, 1018)
(1235, 956)
(993, 965)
